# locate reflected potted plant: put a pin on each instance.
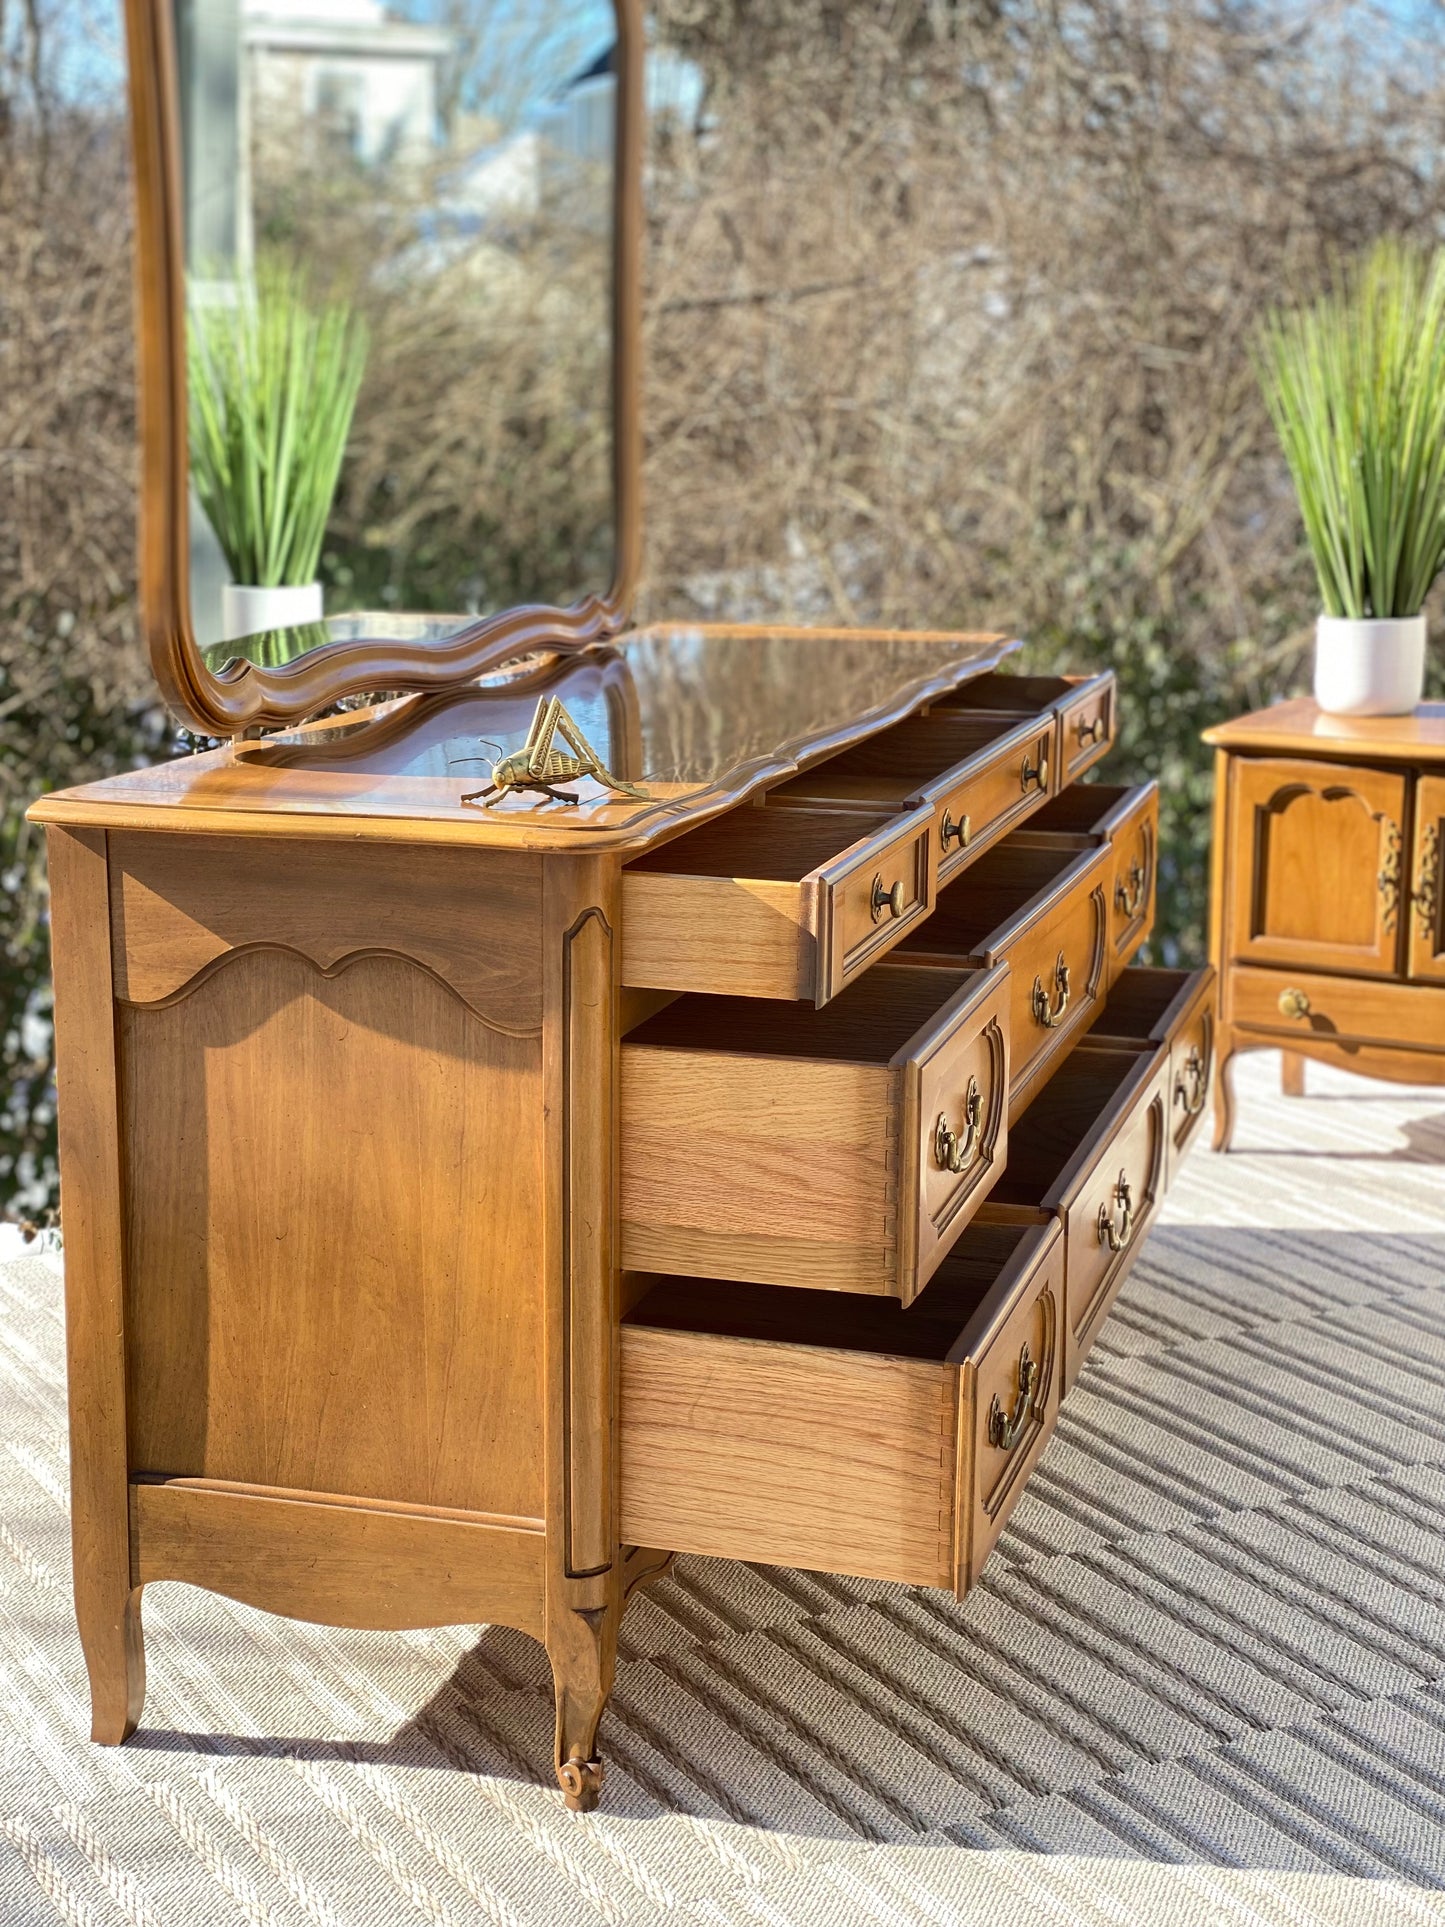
(273, 379)
(1355, 383)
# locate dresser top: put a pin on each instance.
(1301, 728)
(699, 716)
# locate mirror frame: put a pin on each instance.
(244, 699)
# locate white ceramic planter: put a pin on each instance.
(1370, 667)
(250, 612)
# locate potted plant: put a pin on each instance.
(273, 382)
(1355, 383)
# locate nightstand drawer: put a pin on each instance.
(1128, 820)
(844, 1435)
(843, 1148)
(1308, 1006)
(1150, 1008)
(776, 903)
(1090, 1152)
(1041, 908)
(981, 775)
(1084, 707)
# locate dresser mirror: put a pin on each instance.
(388, 324)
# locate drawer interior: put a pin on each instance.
(934, 1327)
(1062, 1121)
(1080, 810)
(785, 846)
(899, 762)
(1145, 1003)
(989, 894)
(871, 1022)
(999, 690)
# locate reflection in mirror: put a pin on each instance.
(398, 234)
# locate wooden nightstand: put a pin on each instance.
(1326, 925)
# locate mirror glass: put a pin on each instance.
(397, 225)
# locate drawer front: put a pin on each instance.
(1133, 886)
(997, 793)
(1295, 1005)
(1058, 963)
(955, 1133)
(1015, 1386)
(871, 898)
(1086, 725)
(1314, 865)
(1112, 1209)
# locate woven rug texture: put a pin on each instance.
(1202, 1681)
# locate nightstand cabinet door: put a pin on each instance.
(1317, 869)
(1427, 926)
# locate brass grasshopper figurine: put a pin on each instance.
(538, 766)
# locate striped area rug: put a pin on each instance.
(1204, 1680)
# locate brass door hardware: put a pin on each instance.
(889, 900)
(1388, 880)
(1052, 1015)
(1131, 900)
(1189, 1086)
(1426, 896)
(950, 1152)
(1005, 1431)
(1117, 1235)
(1034, 775)
(1090, 731)
(539, 767)
(950, 832)
(1294, 1003)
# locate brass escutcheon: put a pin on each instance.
(1388, 881)
(1426, 895)
(1294, 1003)
(890, 900)
(950, 1151)
(959, 832)
(1004, 1431)
(1117, 1236)
(1050, 1016)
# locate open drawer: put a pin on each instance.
(1091, 1154)
(844, 1148)
(776, 903)
(844, 1434)
(981, 775)
(1174, 1010)
(1128, 820)
(1042, 908)
(1083, 705)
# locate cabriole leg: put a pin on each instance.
(1224, 1099)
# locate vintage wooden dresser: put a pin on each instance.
(1328, 931)
(468, 1204)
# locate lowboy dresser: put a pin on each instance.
(466, 1209)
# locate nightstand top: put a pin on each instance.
(1300, 728)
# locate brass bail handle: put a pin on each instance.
(1117, 1235)
(1129, 900)
(950, 832)
(1004, 1430)
(950, 1151)
(1034, 775)
(1052, 1015)
(1190, 1083)
(890, 900)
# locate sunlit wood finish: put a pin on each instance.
(1326, 922)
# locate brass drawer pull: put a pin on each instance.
(1051, 1016)
(1031, 776)
(950, 1152)
(1004, 1432)
(889, 900)
(1190, 1084)
(1131, 900)
(1090, 731)
(1117, 1236)
(1294, 1003)
(950, 832)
